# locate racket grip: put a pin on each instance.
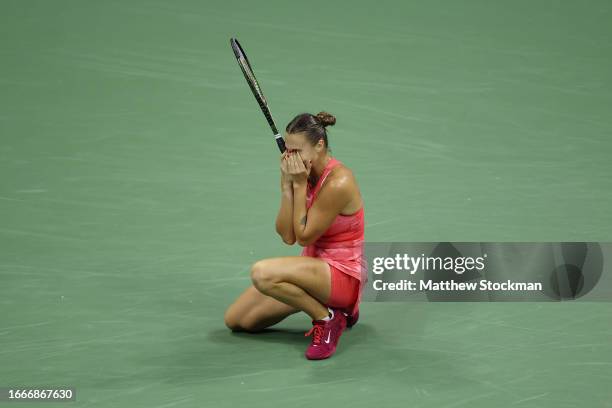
(280, 142)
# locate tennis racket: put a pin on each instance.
(256, 89)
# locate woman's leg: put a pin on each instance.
(253, 311)
(298, 277)
(302, 282)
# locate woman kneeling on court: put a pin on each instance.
(322, 210)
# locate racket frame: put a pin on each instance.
(249, 75)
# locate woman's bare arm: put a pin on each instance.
(310, 224)
(284, 219)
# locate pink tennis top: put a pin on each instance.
(341, 246)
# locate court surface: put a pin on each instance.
(139, 182)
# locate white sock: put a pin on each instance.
(329, 316)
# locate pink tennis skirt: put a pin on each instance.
(344, 289)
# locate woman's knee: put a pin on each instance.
(263, 276)
(232, 319)
(238, 323)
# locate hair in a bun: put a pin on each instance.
(312, 125)
(326, 119)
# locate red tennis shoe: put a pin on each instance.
(351, 320)
(325, 336)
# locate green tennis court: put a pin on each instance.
(139, 183)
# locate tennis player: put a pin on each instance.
(322, 210)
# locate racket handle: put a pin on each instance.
(280, 142)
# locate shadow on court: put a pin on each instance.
(233, 357)
(288, 336)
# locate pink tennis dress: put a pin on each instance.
(341, 246)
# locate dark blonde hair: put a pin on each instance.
(312, 125)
